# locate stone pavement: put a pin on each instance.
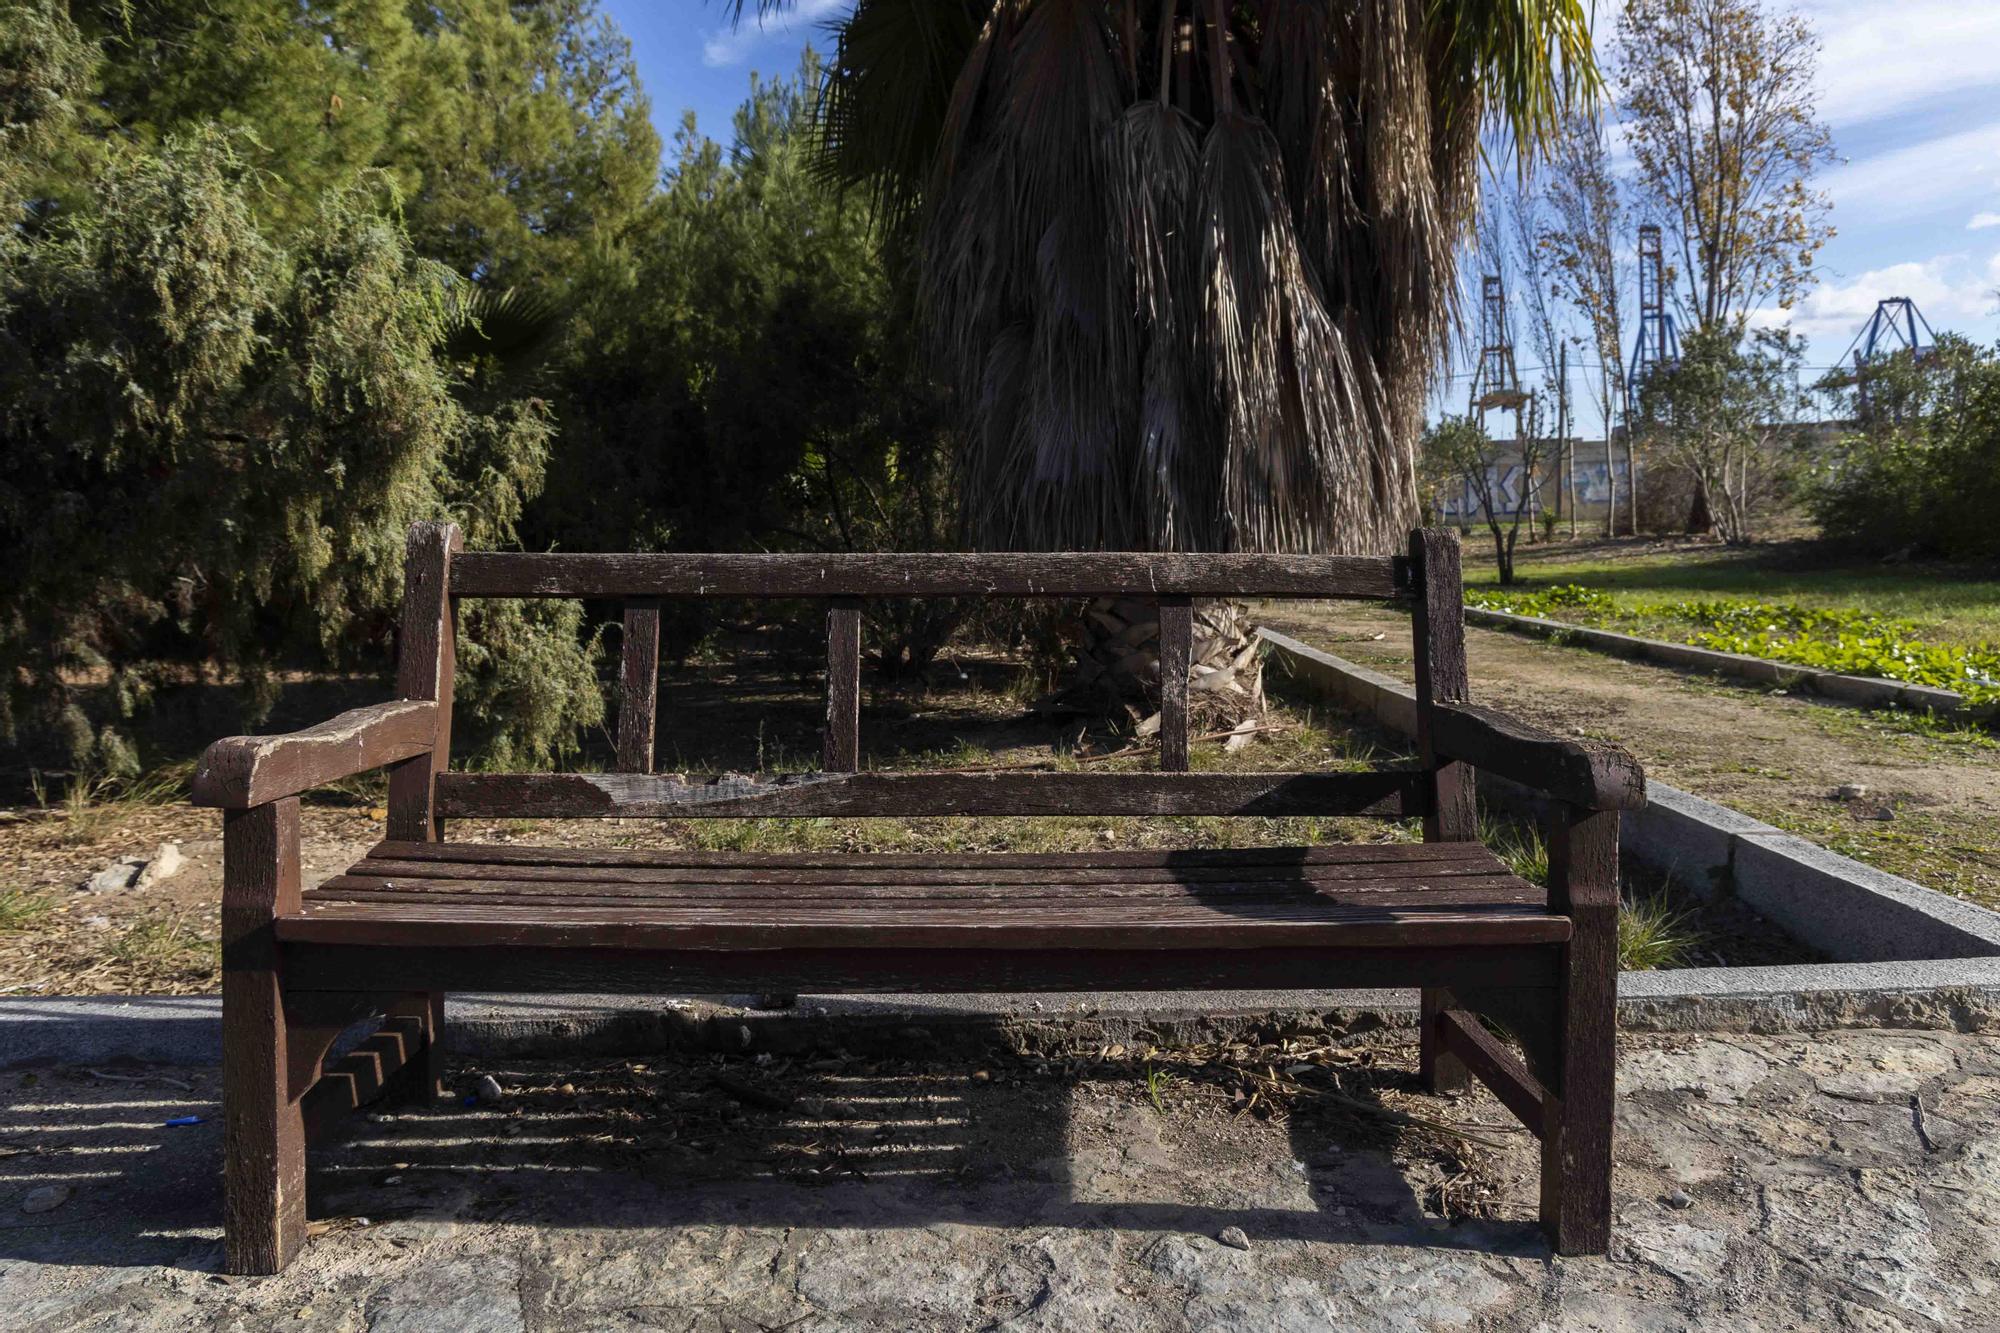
(1848, 1180)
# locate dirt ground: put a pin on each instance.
(1848, 1181)
(1933, 809)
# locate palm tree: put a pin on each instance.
(1188, 264)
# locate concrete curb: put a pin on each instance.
(1862, 691)
(95, 1031)
(1838, 906)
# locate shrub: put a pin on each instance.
(1923, 474)
(213, 440)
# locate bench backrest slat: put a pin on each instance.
(929, 574)
(1393, 792)
(638, 685)
(439, 574)
(843, 686)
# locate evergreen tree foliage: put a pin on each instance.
(742, 376)
(515, 130)
(219, 417)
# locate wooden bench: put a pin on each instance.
(420, 916)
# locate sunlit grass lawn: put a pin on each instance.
(1950, 604)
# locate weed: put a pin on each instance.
(20, 909)
(1157, 1082)
(1521, 847)
(161, 946)
(1654, 934)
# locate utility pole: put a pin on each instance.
(1567, 449)
(1610, 462)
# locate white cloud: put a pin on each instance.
(1981, 221)
(1952, 291)
(733, 45)
(1877, 59)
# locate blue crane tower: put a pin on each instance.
(1894, 327)
(1659, 344)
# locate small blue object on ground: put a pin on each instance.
(180, 1120)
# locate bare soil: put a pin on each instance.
(1932, 812)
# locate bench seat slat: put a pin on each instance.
(883, 897)
(1369, 896)
(1371, 872)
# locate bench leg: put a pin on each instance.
(430, 1085)
(1439, 1070)
(263, 1131)
(1576, 1137)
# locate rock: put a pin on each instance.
(166, 863)
(1234, 1238)
(46, 1199)
(488, 1090)
(1679, 1198)
(120, 874)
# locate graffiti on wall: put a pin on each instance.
(1591, 483)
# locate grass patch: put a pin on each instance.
(165, 948)
(20, 909)
(1654, 934)
(1519, 846)
(1952, 604)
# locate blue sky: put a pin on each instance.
(1910, 88)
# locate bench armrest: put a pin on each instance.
(238, 772)
(1591, 775)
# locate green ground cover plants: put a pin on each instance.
(1852, 642)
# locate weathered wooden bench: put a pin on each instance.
(420, 916)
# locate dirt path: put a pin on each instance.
(1933, 809)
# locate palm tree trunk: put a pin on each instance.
(1118, 662)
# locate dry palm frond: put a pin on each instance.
(1189, 263)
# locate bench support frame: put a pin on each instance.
(285, 1004)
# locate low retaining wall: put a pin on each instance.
(1842, 908)
(1862, 691)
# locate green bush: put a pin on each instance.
(213, 439)
(1923, 476)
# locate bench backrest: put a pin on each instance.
(439, 573)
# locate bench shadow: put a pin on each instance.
(975, 1136)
